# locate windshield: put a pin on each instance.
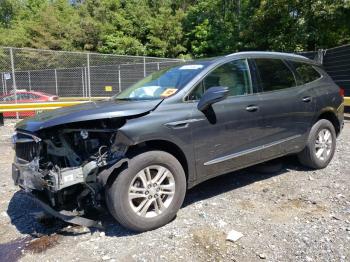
(161, 84)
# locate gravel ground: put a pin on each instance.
(293, 215)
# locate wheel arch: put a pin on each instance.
(166, 146)
(331, 116)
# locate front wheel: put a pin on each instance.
(149, 192)
(320, 146)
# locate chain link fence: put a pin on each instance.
(76, 75)
(70, 75)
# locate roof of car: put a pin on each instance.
(253, 53)
(257, 54)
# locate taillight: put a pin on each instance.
(341, 91)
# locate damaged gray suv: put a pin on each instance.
(139, 151)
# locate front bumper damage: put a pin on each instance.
(27, 177)
(55, 189)
(67, 216)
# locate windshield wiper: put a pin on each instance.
(137, 98)
(124, 99)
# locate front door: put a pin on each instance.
(228, 136)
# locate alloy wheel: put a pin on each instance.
(323, 144)
(151, 191)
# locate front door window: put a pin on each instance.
(234, 75)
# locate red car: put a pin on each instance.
(26, 97)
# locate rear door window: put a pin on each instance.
(305, 71)
(274, 74)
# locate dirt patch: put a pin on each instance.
(246, 204)
(294, 209)
(42, 244)
(210, 244)
(13, 250)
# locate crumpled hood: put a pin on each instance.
(87, 111)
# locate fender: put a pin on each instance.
(152, 127)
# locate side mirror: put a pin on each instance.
(212, 95)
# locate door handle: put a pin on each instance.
(252, 108)
(307, 99)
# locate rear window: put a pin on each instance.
(274, 74)
(306, 72)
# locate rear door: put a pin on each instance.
(310, 86)
(284, 105)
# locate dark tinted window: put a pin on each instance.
(306, 72)
(234, 75)
(274, 74)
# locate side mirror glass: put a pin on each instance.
(212, 95)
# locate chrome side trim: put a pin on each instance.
(249, 151)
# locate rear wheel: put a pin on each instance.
(320, 145)
(149, 192)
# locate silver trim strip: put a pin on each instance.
(248, 151)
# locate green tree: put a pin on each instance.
(120, 44)
(212, 27)
(175, 28)
(165, 39)
(296, 25)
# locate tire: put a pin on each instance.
(308, 157)
(119, 196)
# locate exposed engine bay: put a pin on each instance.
(63, 163)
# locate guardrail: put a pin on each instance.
(37, 106)
(82, 98)
(347, 101)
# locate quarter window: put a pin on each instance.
(234, 75)
(274, 74)
(306, 72)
